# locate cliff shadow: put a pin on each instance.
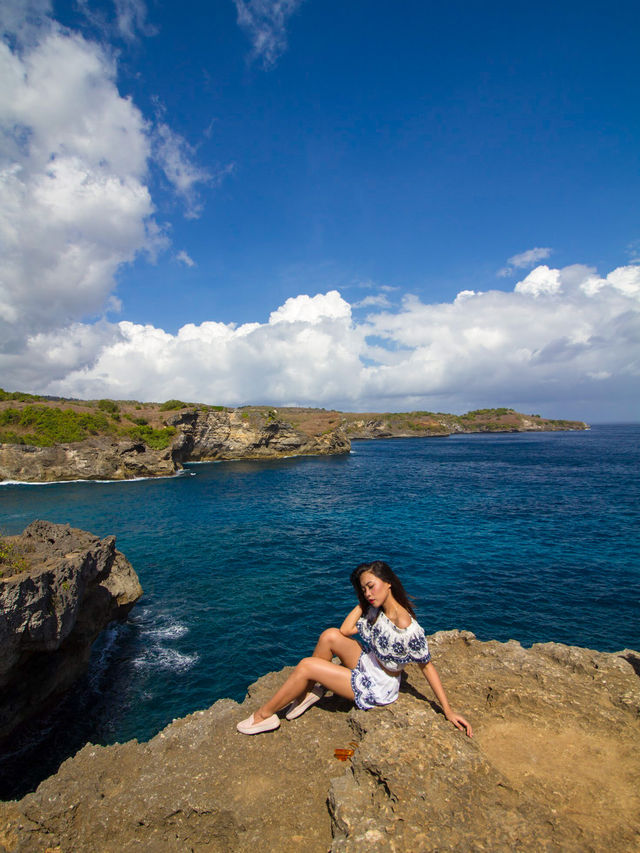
(634, 660)
(407, 687)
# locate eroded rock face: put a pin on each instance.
(202, 435)
(51, 614)
(98, 458)
(228, 435)
(553, 766)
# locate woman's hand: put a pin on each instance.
(429, 672)
(460, 723)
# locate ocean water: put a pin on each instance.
(529, 536)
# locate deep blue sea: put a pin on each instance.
(530, 536)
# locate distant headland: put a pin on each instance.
(48, 439)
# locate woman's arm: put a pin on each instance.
(430, 673)
(348, 627)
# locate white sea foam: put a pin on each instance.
(101, 482)
(159, 657)
(170, 632)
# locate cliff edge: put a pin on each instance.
(554, 766)
(71, 584)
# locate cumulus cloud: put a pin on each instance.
(265, 23)
(524, 260)
(75, 203)
(312, 309)
(564, 342)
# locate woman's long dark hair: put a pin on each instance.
(385, 573)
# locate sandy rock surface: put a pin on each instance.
(554, 766)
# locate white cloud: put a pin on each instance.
(177, 160)
(541, 280)
(379, 301)
(524, 260)
(183, 258)
(312, 309)
(24, 20)
(75, 204)
(131, 16)
(570, 350)
(265, 23)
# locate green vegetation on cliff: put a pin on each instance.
(26, 419)
(45, 426)
(12, 561)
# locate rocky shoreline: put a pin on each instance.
(166, 441)
(200, 436)
(554, 765)
(70, 586)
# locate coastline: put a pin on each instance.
(161, 443)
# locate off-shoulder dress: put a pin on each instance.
(388, 649)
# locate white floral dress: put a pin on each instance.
(388, 649)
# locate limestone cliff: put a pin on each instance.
(50, 614)
(209, 435)
(554, 766)
(100, 458)
(201, 434)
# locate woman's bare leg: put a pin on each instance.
(309, 670)
(333, 643)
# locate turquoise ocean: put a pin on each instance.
(530, 536)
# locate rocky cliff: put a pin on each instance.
(200, 435)
(207, 435)
(44, 440)
(71, 586)
(100, 458)
(554, 766)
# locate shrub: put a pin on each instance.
(18, 395)
(11, 560)
(44, 427)
(172, 404)
(157, 439)
(108, 406)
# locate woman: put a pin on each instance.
(384, 618)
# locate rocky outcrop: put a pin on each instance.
(202, 435)
(554, 766)
(50, 614)
(100, 458)
(206, 435)
(432, 425)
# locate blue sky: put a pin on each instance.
(364, 204)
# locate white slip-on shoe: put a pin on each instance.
(316, 693)
(248, 727)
